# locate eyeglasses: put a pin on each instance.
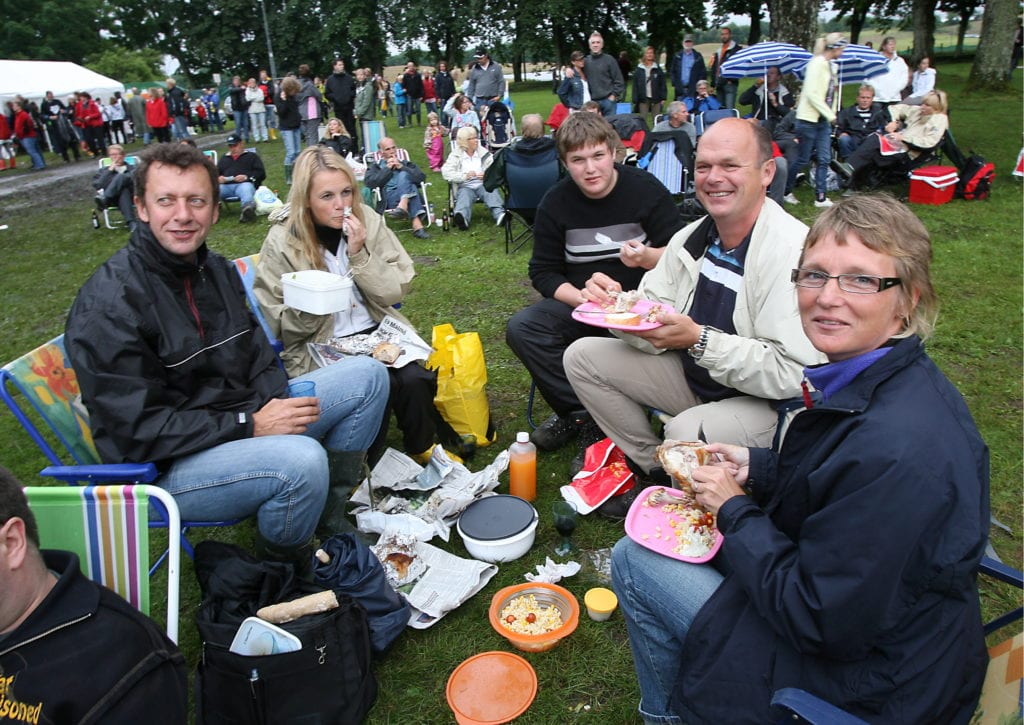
(861, 284)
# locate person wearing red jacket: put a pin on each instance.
(7, 159)
(25, 132)
(89, 118)
(157, 116)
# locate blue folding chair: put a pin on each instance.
(246, 267)
(703, 121)
(45, 380)
(527, 178)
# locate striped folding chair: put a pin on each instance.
(372, 132)
(108, 528)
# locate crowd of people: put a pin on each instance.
(797, 352)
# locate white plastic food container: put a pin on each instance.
(316, 291)
(498, 528)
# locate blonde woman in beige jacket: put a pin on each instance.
(326, 226)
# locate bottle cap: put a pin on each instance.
(522, 437)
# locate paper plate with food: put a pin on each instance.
(626, 311)
(670, 521)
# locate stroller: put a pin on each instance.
(500, 125)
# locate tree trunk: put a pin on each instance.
(924, 29)
(754, 10)
(961, 31)
(991, 69)
(794, 21)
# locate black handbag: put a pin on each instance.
(328, 682)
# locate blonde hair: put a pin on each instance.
(888, 227)
(829, 42)
(463, 135)
(301, 230)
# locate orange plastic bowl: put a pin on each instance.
(546, 595)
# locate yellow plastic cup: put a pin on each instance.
(600, 603)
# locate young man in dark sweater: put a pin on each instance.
(603, 217)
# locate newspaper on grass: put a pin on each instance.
(423, 501)
(433, 581)
(390, 330)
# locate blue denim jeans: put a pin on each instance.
(399, 187)
(607, 106)
(31, 146)
(241, 124)
(283, 479)
(403, 112)
(180, 128)
(814, 137)
(660, 598)
(292, 138)
(245, 192)
(259, 126)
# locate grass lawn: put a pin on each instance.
(467, 279)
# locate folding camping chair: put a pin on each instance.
(378, 198)
(527, 179)
(45, 379)
(108, 527)
(246, 268)
(669, 158)
(703, 121)
(372, 133)
(106, 209)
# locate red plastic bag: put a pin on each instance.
(604, 474)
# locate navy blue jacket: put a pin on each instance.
(852, 576)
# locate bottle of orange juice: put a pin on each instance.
(522, 468)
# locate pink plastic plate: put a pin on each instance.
(652, 526)
(590, 313)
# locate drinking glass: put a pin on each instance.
(565, 514)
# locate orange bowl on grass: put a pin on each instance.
(546, 595)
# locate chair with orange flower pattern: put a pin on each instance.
(41, 390)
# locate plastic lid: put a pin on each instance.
(491, 688)
(496, 517)
(601, 600)
(522, 437)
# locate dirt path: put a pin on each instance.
(62, 184)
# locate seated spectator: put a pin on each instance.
(786, 141)
(922, 82)
(336, 138)
(174, 369)
(703, 101)
(780, 100)
(603, 217)
(56, 625)
(241, 173)
(399, 183)
(855, 123)
(530, 143)
(465, 169)
(889, 631)
(677, 117)
(734, 344)
(114, 185)
(913, 130)
(326, 227)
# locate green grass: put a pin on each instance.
(465, 278)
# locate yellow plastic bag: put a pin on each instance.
(458, 359)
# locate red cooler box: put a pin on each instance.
(933, 184)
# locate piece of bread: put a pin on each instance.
(680, 458)
(387, 352)
(622, 318)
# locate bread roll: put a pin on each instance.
(387, 352)
(680, 458)
(622, 318)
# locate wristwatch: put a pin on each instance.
(697, 349)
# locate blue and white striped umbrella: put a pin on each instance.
(756, 59)
(858, 63)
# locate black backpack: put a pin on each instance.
(976, 178)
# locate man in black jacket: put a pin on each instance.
(174, 369)
(444, 84)
(177, 109)
(340, 90)
(240, 174)
(71, 650)
(412, 82)
(399, 183)
(114, 185)
(855, 123)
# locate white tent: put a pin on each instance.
(33, 78)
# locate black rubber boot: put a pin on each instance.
(346, 470)
(300, 555)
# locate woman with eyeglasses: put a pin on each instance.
(850, 547)
(326, 226)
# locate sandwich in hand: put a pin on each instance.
(680, 458)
